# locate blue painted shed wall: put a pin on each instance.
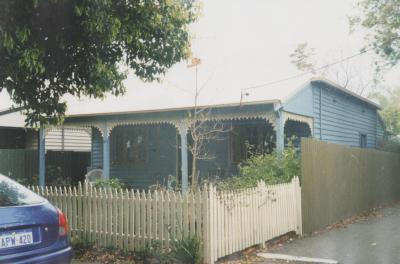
(340, 118)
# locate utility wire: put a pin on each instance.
(305, 73)
(175, 86)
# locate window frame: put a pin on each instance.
(363, 140)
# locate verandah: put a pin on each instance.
(106, 127)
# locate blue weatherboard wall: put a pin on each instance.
(161, 160)
(340, 118)
(301, 102)
(97, 149)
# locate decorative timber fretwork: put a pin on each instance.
(300, 118)
(178, 123)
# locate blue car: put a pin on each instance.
(31, 229)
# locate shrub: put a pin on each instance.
(186, 250)
(389, 144)
(172, 184)
(271, 168)
(112, 183)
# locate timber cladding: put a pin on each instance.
(340, 181)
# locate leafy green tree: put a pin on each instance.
(389, 99)
(301, 57)
(381, 18)
(50, 48)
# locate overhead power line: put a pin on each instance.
(305, 73)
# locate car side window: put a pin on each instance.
(14, 194)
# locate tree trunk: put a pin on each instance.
(194, 166)
(194, 173)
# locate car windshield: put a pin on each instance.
(13, 194)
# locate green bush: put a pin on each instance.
(389, 144)
(112, 183)
(186, 250)
(271, 168)
(172, 184)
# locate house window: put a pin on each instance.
(129, 145)
(363, 141)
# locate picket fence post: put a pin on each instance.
(209, 238)
(299, 216)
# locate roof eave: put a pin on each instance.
(273, 101)
(340, 88)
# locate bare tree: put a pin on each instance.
(203, 129)
(347, 74)
(203, 132)
(343, 71)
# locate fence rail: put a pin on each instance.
(225, 222)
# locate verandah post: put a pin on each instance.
(298, 206)
(280, 130)
(183, 130)
(42, 157)
(106, 151)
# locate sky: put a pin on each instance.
(244, 43)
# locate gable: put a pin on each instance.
(301, 102)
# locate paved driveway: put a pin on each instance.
(375, 241)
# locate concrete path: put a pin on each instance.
(374, 241)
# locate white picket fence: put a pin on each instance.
(249, 217)
(225, 221)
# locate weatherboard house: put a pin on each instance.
(142, 148)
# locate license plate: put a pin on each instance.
(16, 239)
